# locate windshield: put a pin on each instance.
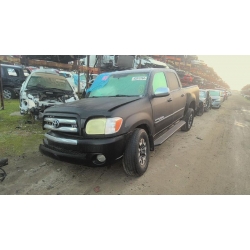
(130, 84)
(48, 82)
(202, 94)
(214, 93)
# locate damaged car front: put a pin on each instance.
(43, 89)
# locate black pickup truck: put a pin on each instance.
(125, 114)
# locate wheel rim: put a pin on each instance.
(190, 119)
(6, 94)
(142, 152)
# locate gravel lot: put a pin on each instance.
(212, 158)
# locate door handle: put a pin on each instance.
(170, 100)
(182, 95)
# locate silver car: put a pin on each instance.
(217, 98)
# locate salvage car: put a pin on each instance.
(217, 98)
(73, 80)
(12, 79)
(223, 93)
(206, 99)
(42, 89)
(125, 114)
(187, 78)
(198, 80)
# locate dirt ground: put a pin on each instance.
(212, 158)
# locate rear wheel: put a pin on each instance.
(189, 118)
(136, 156)
(8, 93)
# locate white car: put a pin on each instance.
(73, 80)
(42, 89)
(69, 76)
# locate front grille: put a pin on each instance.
(68, 125)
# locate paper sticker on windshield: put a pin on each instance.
(139, 78)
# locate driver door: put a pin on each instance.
(162, 106)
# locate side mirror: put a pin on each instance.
(161, 92)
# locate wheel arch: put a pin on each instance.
(143, 121)
(150, 136)
(192, 105)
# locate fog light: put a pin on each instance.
(101, 158)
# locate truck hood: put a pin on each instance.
(92, 106)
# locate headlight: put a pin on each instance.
(101, 126)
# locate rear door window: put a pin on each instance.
(172, 81)
(12, 72)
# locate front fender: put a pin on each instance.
(141, 120)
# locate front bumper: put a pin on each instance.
(216, 104)
(85, 150)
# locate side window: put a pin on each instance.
(26, 73)
(12, 72)
(159, 81)
(172, 81)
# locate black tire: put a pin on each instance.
(207, 108)
(8, 93)
(136, 156)
(201, 109)
(210, 104)
(2, 174)
(189, 118)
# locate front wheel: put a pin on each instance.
(136, 156)
(8, 93)
(207, 107)
(201, 109)
(188, 118)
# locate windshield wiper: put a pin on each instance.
(34, 88)
(56, 90)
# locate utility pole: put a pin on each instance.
(1, 89)
(139, 66)
(87, 76)
(79, 87)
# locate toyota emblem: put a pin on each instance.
(55, 123)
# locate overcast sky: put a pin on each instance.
(233, 69)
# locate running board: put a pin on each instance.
(170, 132)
